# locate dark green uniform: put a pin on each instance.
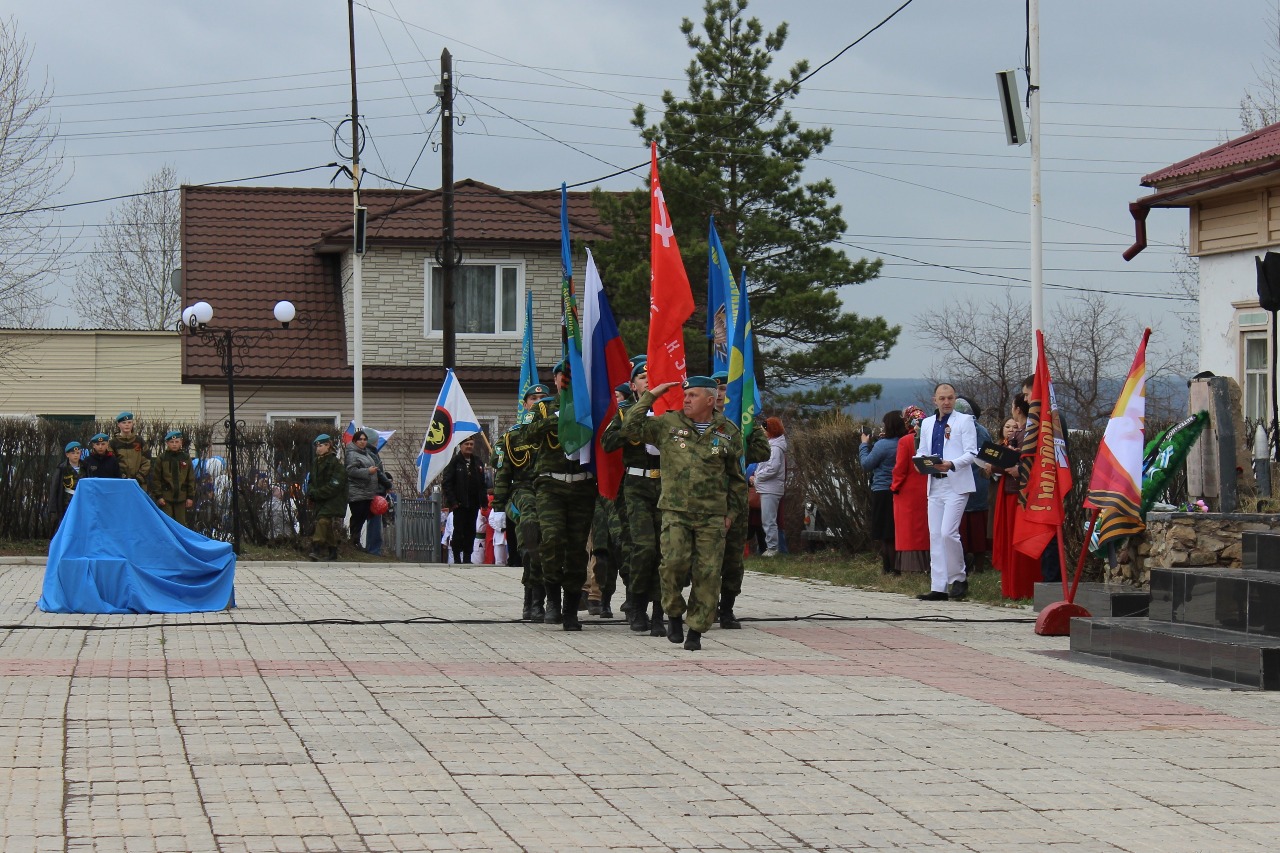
(736, 539)
(173, 482)
(327, 493)
(606, 547)
(565, 495)
(697, 470)
(134, 456)
(641, 488)
(513, 492)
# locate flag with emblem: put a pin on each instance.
(721, 296)
(528, 367)
(670, 299)
(1044, 461)
(1115, 487)
(452, 422)
(742, 397)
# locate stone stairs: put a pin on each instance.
(1209, 622)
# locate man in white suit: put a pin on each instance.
(952, 436)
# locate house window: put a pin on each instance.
(320, 420)
(486, 299)
(1255, 376)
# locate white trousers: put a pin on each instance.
(946, 554)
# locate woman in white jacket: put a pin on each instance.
(770, 481)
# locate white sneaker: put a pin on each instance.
(772, 552)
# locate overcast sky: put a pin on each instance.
(230, 90)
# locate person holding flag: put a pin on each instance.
(1045, 474)
(513, 493)
(670, 299)
(565, 497)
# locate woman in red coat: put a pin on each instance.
(910, 503)
(1018, 572)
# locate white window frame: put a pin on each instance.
(517, 265)
(1254, 324)
(272, 417)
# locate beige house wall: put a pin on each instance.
(395, 309)
(98, 373)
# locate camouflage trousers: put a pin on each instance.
(562, 511)
(644, 522)
(735, 541)
(692, 545)
(606, 546)
(327, 528)
(527, 534)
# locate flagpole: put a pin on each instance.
(1084, 550)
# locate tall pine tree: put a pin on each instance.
(730, 148)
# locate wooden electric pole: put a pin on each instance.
(448, 255)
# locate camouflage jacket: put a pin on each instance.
(634, 453)
(514, 461)
(134, 456)
(543, 433)
(706, 464)
(327, 488)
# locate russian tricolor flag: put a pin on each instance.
(605, 364)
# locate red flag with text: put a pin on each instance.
(1048, 480)
(670, 299)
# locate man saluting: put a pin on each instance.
(701, 453)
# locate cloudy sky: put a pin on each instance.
(230, 90)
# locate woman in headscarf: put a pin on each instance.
(910, 502)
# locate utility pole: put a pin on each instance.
(357, 230)
(1037, 212)
(448, 255)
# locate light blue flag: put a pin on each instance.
(528, 368)
(721, 296)
(742, 397)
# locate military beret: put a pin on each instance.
(71, 445)
(562, 367)
(124, 416)
(102, 436)
(700, 382)
(322, 438)
(638, 358)
(642, 367)
(538, 391)
(721, 377)
(173, 433)
(623, 388)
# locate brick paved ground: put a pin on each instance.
(213, 733)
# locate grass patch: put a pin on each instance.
(862, 571)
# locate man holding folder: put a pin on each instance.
(948, 447)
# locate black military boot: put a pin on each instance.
(693, 642)
(656, 626)
(606, 610)
(727, 619)
(675, 629)
(333, 555)
(570, 610)
(639, 615)
(537, 613)
(527, 613)
(553, 615)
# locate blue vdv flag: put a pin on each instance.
(528, 367)
(721, 298)
(742, 397)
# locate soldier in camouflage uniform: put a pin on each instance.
(706, 450)
(641, 488)
(513, 486)
(735, 540)
(565, 494)
(606, 547)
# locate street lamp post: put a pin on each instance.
(232, 345)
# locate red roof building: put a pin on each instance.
(245, 248)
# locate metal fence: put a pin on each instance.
(415, 534)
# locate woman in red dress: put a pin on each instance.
(1018, 572)
(910, 503)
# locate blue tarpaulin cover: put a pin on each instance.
(117, 552)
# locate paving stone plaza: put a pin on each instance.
(354, 707)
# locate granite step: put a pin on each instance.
(1100, 599)
(1229, 656)
(1245, 600)
(1260, 550)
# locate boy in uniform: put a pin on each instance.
(175, 482)
(131, 450)
(328, 494)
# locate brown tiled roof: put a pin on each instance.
(1253, 148)
(244, 248)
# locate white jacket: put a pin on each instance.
(959, 446)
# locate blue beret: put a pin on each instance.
(623, 388)
(562, 367)
(124, 416)
(71, 445)
(322, 438)
(102, 436)
(173, 433)
(538, 391)
(700, 382)
(721, 377)
(641, 367)
(639, 358)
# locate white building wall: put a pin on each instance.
(1225, 279)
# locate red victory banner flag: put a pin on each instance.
(1048, 481)
(670, 299)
